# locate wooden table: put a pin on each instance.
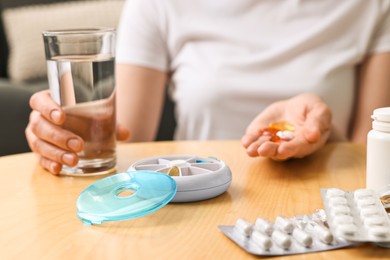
(38, 210)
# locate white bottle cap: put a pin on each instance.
(381, 118)
(381, 114)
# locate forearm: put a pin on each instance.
(373, 91)
(140, 97)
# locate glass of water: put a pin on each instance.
(81, 74)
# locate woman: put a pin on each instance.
(234, 67)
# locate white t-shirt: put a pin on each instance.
(231, 59)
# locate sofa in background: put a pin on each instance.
(22, 62)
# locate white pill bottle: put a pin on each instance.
(378, 151)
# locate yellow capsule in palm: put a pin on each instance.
(282, 125)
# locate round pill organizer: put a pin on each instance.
(197, 178)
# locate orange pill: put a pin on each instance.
(268, 131)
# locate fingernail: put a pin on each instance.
(68, 159)
(55, 115)
(74, 145)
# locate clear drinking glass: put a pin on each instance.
(81, 74)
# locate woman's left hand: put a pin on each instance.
(310, 116)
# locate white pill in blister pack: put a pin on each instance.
(340, 210)
(281, 239)
(379, 232)
(363, 218)
(374, 221)
(261, 240)
(333, 192)
(369, 212)
(365, 203)
(323, 234)
(264, 226)
(363, 194)
(284, 225)
(342, 220)
(244, 226)
(302, 237)
(342, 201)
(346, 229)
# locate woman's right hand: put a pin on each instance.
(54, 145)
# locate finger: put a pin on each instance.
(49, 109)
(293, 148)
(252, 149)
(51, 152)
(318, 121)
(268, 149)
(297, 148)
(54, 134)
(49, 165)
(55, 157)
(248, 139)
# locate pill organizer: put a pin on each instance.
(356, 215)
(197, 178)
(285, 236)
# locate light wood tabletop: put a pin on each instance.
(38, 210)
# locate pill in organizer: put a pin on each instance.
(356, 216)
(284, 236)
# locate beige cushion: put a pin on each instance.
(24, 26)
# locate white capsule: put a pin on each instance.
(281, 239)
(346, 229)
(302, 237)
(284, 225)
(323, 234)
(342, 219)
(337, 201)
(261, 240)
(333, 192)
(285, 135)
(264, 226)
(369, 212)
(379, 231)
(244, 227)
(364, 203)
(340, 210)
(374, 221)
(288, 134)
(363, 194)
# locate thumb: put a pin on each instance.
(318, 122)
(311, 134)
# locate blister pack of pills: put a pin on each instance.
(356, 215)
(284, 236)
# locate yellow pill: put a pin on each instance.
(174, 171)
(282, 125)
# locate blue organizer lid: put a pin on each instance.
(102, 201)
